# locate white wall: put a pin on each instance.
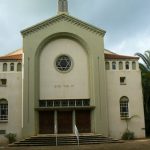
(13, 94)
(133, 90)
(71, 85)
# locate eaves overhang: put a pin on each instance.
(119, 57)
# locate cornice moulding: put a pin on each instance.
(62, 17)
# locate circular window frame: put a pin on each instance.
(64, 71)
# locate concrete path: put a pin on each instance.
(127, 145)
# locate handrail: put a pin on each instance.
(56, 135)
(77, 134)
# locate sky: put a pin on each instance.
(126, 22)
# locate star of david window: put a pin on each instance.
(63, 63)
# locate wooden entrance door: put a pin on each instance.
(46, 122)
(83, 121)
(64, 120)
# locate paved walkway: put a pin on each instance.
(127, 145)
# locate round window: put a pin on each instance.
(63, 63)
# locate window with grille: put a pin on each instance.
(63, 63)
(19, 67)
(134, 65)
(12, 67)
(65, 103)
(114, 65)
(3, 110)
(120, 65)
(124, 108)
(5, 67)
(127, 65)
(107, 65)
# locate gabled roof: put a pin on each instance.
(63, 17)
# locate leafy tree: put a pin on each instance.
(145, 72)
(146, 59)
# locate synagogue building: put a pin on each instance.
(63, 76)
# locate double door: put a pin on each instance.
(64, 121)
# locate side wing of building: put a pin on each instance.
(11, 95)
(125, 98)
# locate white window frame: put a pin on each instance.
(124, 107)
(3, 108)
(127, 65)
(19, 67)
(107, 65)
(12, 67)
(5, 67)
(114, 65)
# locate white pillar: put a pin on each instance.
(73, 119)
(55, 122)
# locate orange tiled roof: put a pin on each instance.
(14, 56)
(115, 56)
(11, 57)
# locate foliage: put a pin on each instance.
(146, 59)
(11, 137)
(145, 72)
(145, 68)
(128, 135)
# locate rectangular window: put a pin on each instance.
(78, 102)
(64, 103)
(86, 102)
(2, 131)
(72, 103)
(3, 82)
(43, 103)
(50, 103)
(122, 80)
(56, 103)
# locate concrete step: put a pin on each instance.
(49, 140)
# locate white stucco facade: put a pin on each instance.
(131, 89)
(12, 92)
(73, 84)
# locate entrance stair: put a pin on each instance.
(50, 140)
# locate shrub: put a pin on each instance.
(128, 135)
(11, 137)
